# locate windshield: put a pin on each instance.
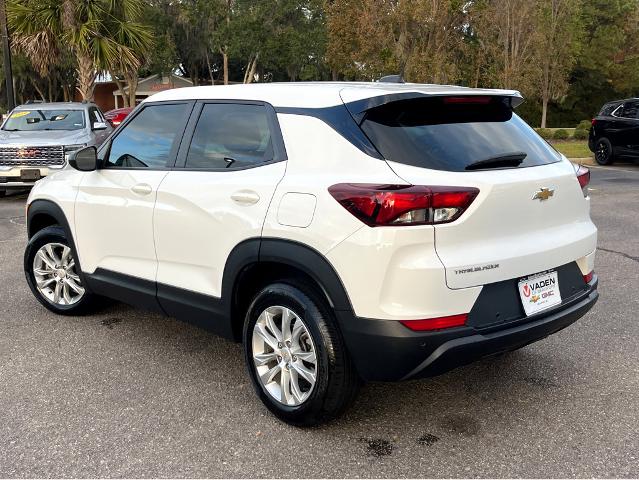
(35, 120)
(453, 133)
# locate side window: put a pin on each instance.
(631, 110)
(230, 136)
(148, 139)
(94, 115)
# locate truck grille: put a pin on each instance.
(32, 156)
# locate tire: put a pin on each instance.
(335, 380)
(603, 152)
(63, 291)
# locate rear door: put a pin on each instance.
(530, 214)
(231, 160)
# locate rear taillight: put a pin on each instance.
(588, 277)
(593, 121)
(438, 323)
(583, 175)
(396, 205)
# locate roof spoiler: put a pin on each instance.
(359, 108)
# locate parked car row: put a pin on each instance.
(614, 134)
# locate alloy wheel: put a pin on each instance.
(284, 355)
(55, 275)
(602, 152)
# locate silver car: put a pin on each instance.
(34, 139)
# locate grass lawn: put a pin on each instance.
(572, 148)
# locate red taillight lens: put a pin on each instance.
(583, 175)
(588, 277)
(436, 323)
(593, 121)
(395, 205)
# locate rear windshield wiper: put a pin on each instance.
(506, 160)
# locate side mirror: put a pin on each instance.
(85, 159)
(99, 126)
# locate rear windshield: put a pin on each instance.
(451, 133)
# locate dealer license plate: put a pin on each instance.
(29, 174)
(539, 292)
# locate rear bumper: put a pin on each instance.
(387, 351)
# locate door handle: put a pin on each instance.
(142, 189)
(245, 197)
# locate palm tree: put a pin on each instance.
(101, 34)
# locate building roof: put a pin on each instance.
(157, 83)
(317, 94)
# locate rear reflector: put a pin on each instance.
(436, 323)
(583, 175)
(588, 277)
(397, 205)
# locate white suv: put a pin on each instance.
(340, 231)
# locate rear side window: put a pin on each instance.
(609, 108)
(451, 133)
(631, 110)
(229, 136)
(147, 141)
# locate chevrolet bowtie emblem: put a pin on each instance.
(543, 194)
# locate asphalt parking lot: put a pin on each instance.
(128, 393)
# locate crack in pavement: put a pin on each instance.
(636, 259)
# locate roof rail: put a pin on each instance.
(391, 79)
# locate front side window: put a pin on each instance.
(229, 136)
(147, 140)
(40, 119)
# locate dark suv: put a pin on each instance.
(615, 132)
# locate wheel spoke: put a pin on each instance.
(306, 356)
(45, 283)
(268, 376)
(49, 248)
(264, 358)
(285, 386)
(65, 292)
(287, 317)
(298, 329)
(43, 271)
(42, 255)
(270, 322)
(66, 251)
(266, 336)
(57, 292)
(74, 285)
(295, 387)
(304, 372)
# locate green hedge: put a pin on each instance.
(580, 134)
(545, 133)
(583, 125)
(561, 134)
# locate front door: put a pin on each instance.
(114, 206)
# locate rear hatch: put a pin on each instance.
(530, 214)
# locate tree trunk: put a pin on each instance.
(250, 69)
(225, 59)
(120, 85)
(86, 76)
(544, 111)
(132, 82)
(208, 65)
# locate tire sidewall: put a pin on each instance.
(52, 235)
(309, 311)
